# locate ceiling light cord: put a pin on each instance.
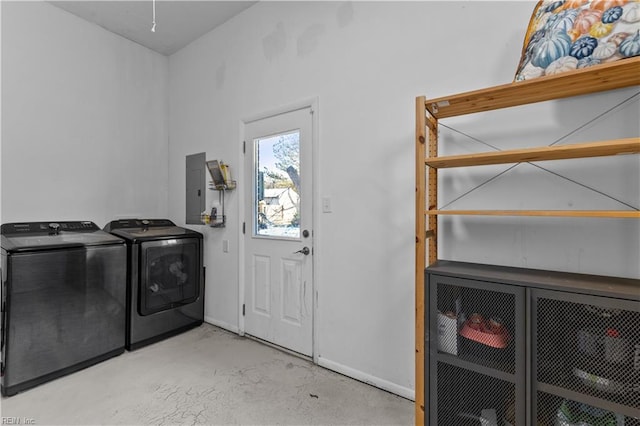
(153, 26)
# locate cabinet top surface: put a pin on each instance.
(615, 75)
(626, 288)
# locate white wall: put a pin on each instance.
(84, 120)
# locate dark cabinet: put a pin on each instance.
(511, 346)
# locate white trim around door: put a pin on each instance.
(312, 105)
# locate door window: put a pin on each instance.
(276, 206)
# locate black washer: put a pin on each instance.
(63, 300)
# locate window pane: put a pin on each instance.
(277, 186)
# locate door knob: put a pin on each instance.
(303, 250)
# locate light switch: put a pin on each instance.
(326, 204)
(225, 246)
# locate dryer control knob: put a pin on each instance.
(55, 227)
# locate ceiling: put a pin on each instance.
(178, 22)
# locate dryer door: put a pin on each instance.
(169, 274)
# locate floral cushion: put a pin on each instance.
(570, 34)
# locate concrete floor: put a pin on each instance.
(207, 376)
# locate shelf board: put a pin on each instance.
(580, 150)
(545, 213)
(599, 78)
(605, 404)
(465, 364)
(229, 185)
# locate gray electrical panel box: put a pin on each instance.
(195, 189)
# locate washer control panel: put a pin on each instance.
(48, 227)
(137, 223)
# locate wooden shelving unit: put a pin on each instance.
(585, 81)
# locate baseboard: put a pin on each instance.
(368, 379)
(229, 327)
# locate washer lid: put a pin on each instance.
(149, 229)
(32, 236)
(158, 233)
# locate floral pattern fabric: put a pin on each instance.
(570, 34)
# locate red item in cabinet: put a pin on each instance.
(490, 333)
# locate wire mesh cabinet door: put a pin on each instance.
(586, 359)
(477, 343)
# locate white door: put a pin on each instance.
(278, 230)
